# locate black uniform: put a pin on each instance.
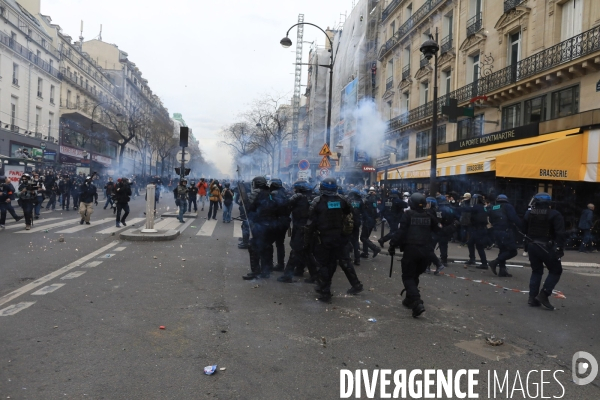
(122, 196)
(478, 235)
(27, 197)
(447, 217)
(414, 239)
(245, 227)
(547, 229)
(368, 224)
(283, 224)
(358, 210)
(326, 223)
(393, 215)
(65, 186)
(504, 219)
(192, 197)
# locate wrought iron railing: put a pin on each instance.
(389, 9)
(410, 23)
(446, 44)
(510, 4)
(27, 54)
(423, 62)
(578, 46)
(406, 72)
(474, 24)
(389, 83)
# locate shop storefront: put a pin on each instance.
(565, 164)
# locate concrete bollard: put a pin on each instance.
(150, 192)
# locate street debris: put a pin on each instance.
(61, 239)
(161, 327)
(372, 320)
(323, 341)
(492, 341)
(210, 369)
(222, 369)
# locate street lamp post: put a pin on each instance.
(430, 49)
(286, 42)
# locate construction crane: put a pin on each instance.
(297, 86)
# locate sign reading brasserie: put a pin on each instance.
(506, 135)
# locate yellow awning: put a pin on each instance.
(590, 156)
(556, 160)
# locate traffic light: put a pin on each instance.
(183, 136)
(186, 171)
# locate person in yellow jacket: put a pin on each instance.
(214, 193)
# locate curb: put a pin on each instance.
(134, 235)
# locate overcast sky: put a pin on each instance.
(205, 59)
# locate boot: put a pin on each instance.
(376, 251)
(428, 270)
(311, 280)
(381, 243)
(493, 265)
(355, 289)
(439, 269)
(471, 262)
(482, 266)
(243, 246)
(364, 255)
(533, 302)
(408, 303)
(285, 279)
(504, 273)
(27, 227)
(418, 308)
(357, 261)
(81, 222)
(543, 299)
(250, 276)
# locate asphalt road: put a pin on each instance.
(98, 336)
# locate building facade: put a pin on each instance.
(527, 68)
(29, 84)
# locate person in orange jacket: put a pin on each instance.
(215, 198)
(202, 188)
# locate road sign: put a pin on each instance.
(324, 172)
(325, 150)
(303, 165)
(43, 145)
(303, 175)
(325, 163)
(180, 156)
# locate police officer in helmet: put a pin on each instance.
(328, 226)
(546, 228)
(503, 218)
(414, 239)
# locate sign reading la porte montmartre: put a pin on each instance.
(506, 135)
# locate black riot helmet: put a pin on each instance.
(302, 186)
(275, 184)
(259, 182)
(329, 184)
(417, 201)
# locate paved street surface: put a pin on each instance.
(80, 319)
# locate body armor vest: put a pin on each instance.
(539, 224)
(419, 230)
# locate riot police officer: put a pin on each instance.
(546, 228)
(283, 220)
(27, 194)
(394, 208)
(329, 218)
(414, 239)
(503, 218)
(358, 210)
(299, 204)
(368, 224)
(262, 217)
(477, 231)
(241, 200)
(449, 219)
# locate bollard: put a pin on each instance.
(150, 192)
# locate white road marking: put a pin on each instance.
(21, 223)
(73, 275)
(15, 308)
(159, 225)
(120, 248)
(92, 264)
(237, 229)
(207, 228)
(55, 225)
(186, 225)
(114, 229)
(93, 223)
(48, 289)
(39, 282)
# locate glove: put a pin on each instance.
(560, 253)
(392, 251)
(96, 202)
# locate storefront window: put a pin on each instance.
(423, 144)
(565, 102)
(403, 149)
(470, 127)
(535, 110)
(511, 116)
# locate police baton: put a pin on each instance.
(391, 265)
(531, 240)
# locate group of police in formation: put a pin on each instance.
(326, 227)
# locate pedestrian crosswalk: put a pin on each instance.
(200, 227)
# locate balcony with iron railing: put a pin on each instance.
(389, 9)
(446, 44)
(578, 46)
(27, 54)
(389, 83)
(406, 72)
(417, 17)
(474, 24)
(510, 4)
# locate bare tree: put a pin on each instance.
(165, 145)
